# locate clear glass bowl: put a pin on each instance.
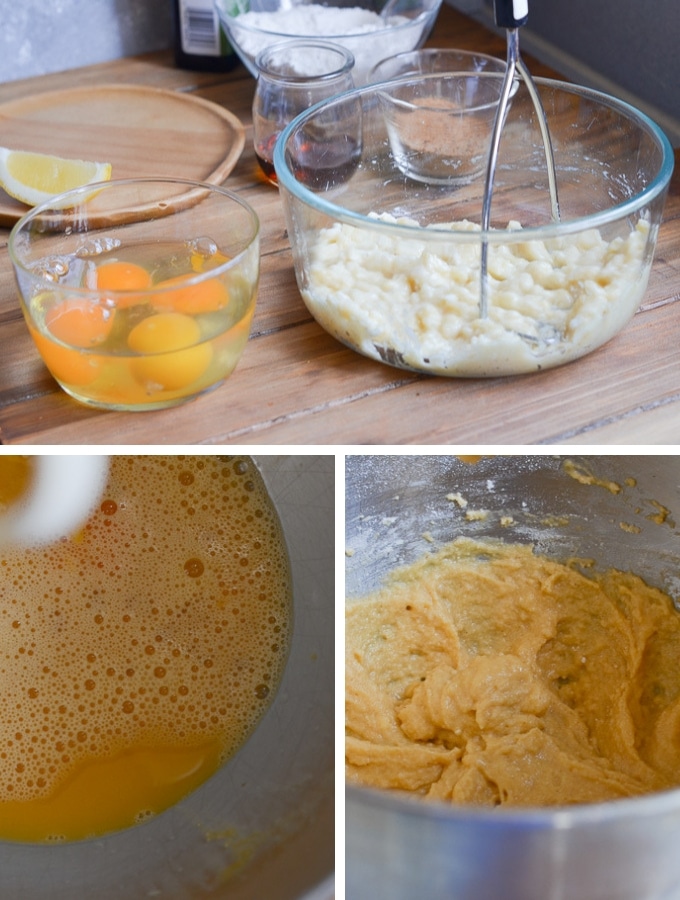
(251, 25)
(294, 75)
(390, 264)
(139, 294)
(432, 60)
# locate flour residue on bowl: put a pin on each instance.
(415, 301)
(258, 29)
(316, 19)
(488, 674)
(578, 472)
(140, 654)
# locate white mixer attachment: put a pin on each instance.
(63, 492)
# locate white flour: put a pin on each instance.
(350, 24)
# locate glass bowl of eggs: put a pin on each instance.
(138, 293)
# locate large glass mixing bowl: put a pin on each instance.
(383, 191)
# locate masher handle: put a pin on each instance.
(510, 13)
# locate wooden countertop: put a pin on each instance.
(296, 385)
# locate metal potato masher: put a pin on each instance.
(511, 15)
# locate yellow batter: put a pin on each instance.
(487, 674)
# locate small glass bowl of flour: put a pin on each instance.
(252, 25)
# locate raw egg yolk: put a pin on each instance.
(182, 297)
(79, 322)
(67, 366)
(123, 276)
(175, 358)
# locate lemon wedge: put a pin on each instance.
(33, 178)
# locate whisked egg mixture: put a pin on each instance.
(139, 654)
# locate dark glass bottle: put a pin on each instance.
(200, 42)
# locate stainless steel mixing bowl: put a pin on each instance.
(263, 825)
(623, 850)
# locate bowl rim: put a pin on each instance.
(437, 53)
(562, 817)
(657, 186)
(231, 22)
(344, 66)
(50, 206)
(410, 77)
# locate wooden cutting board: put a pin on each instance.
(139, 130)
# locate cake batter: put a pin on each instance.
(490, 675)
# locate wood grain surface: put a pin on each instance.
(140, 130)
(296, 385)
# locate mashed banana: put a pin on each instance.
(489, 675)
(416, 302)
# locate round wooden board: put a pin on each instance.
(139, 130)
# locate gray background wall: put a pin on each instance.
(42, 36)
(630, 48)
